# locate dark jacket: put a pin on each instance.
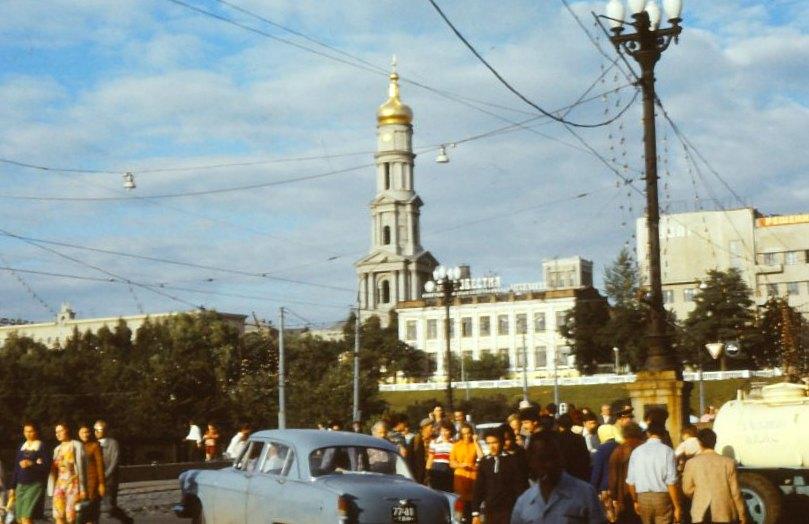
(599, 477)
(417, 457)
(499, 482)
(575, 454)
(38, 472)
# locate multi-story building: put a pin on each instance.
(520, 322)
(54, 334)
(771, 252)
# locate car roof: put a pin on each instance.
(310, 439)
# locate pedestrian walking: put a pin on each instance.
(111, 454)
(238, 442)
(420, 450)
(498, 484)
(652, 480)
(590, 432)
(67, 484)
(31, 466)
(438, 459)
(574, 450)
(599, 476)
(463, 460)
(688, 446)
(512, 448)
(192, 443)
(557, 495)
(709, 479)
(623, 505)
(210, 442)
(605, 417)
(96, 488)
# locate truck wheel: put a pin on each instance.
(762, 498)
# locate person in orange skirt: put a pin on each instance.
(463, 459)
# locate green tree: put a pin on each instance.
(628, 323)
(780, 338)
(723, 313)
(487, 367)
(583, 328)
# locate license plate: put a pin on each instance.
(403, 513)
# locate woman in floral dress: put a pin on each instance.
(68, 480)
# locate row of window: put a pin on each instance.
(541, 358)
(503, 325)
(791, 288)
(772, 290)
(785, 257)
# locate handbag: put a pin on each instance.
(82, 511)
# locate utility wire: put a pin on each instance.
(37, 241)
(161, 285)
(96, 268)
(514, 90)
(39, 300)
(189, 193)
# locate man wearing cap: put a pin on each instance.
(419, 451)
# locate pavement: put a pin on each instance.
(146, 502)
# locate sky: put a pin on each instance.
(168, 93)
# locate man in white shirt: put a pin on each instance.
(238, 442)
(652, 479)
(193, 442)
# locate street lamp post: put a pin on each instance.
(646, 45)
(616, 351)
(446, 281)
(524, 370)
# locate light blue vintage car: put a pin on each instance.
(302, 476)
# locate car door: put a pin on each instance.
(276, 495)
(230, 505)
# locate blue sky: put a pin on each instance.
(147, 84)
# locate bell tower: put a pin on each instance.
(397, 266)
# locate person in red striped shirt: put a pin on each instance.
(438, 459)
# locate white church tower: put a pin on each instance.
(397, 266)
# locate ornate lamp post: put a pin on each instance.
(646, 44)
(446, 281)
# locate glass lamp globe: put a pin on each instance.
(615, 11)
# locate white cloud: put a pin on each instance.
(163, 86)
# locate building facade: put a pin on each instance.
(397, 266)
(771, 252)
(55, 334)
(520, 322)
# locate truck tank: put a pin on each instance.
(767, 436)
(769, 432)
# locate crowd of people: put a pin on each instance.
(80, 475)
(540, 466)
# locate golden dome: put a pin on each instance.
(393, 111)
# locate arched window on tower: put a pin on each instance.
(386, 235)
(385, 292)
(386, 168)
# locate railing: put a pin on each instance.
(589, 380)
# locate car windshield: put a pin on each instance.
(356, 459)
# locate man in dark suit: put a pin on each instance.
(499, 482)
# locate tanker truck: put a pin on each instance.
(769, 439)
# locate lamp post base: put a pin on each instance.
(662, 389)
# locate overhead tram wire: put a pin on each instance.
(37, 241)
(161, 285)
(189, 193)
(96, 268)
(512, 88)
(511, 127)
(366, 68)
